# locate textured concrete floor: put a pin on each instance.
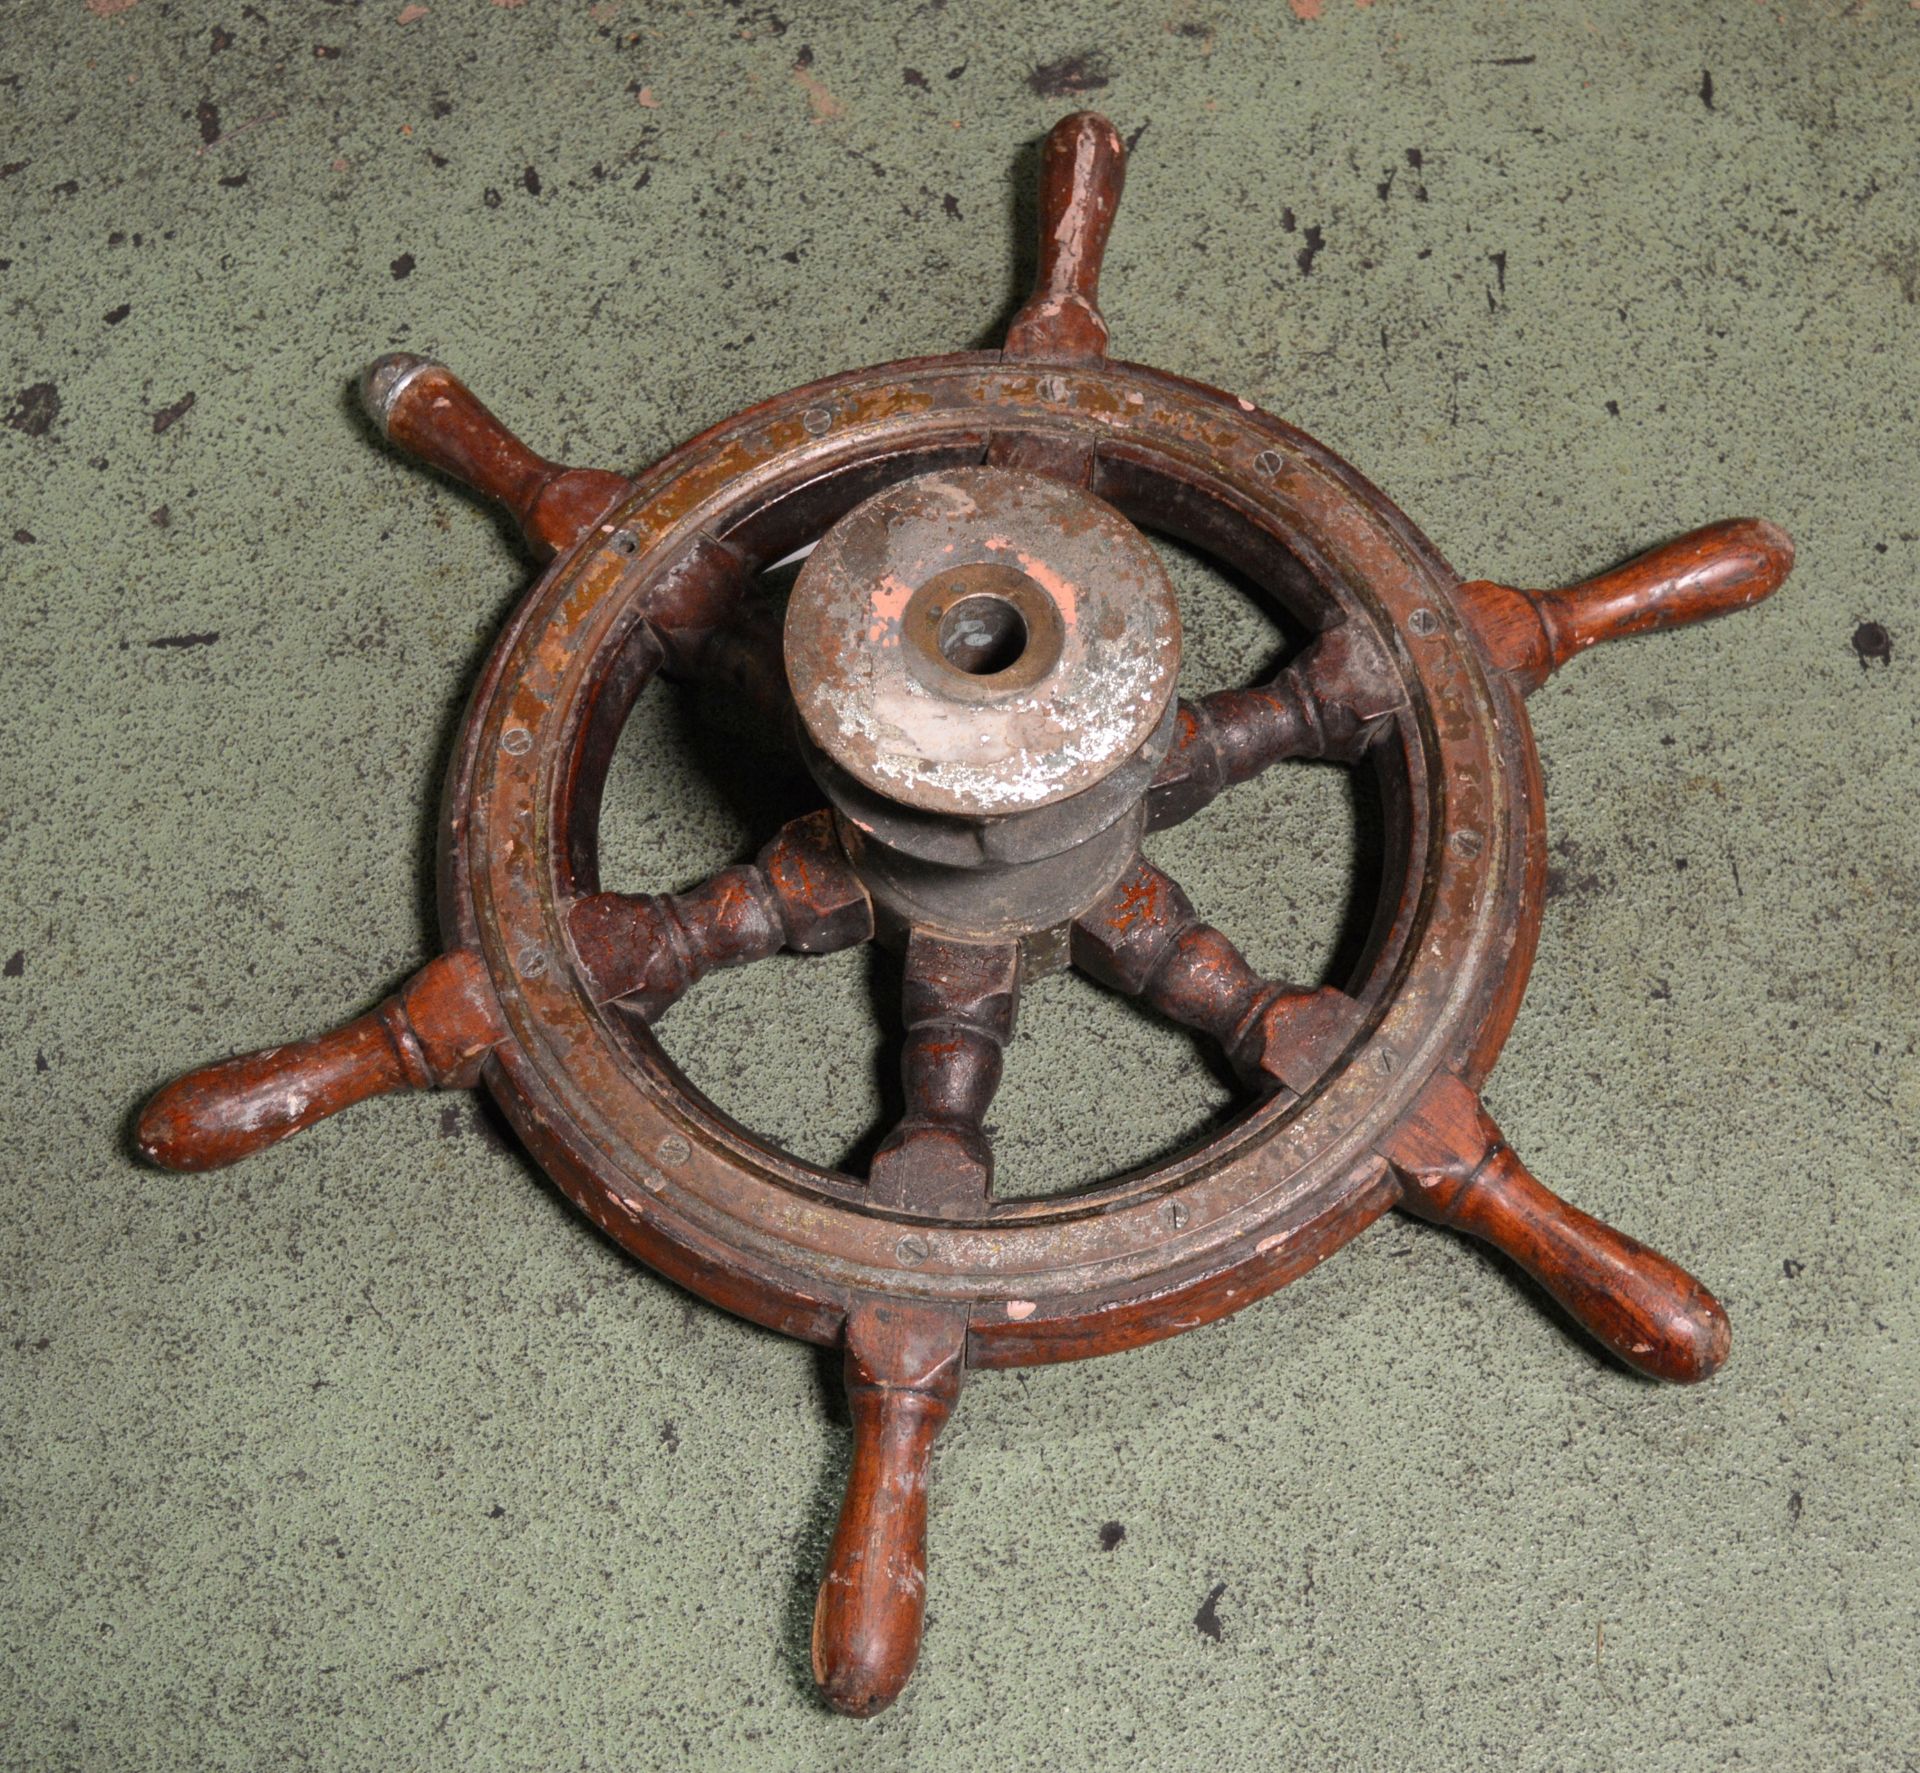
(295, 1474)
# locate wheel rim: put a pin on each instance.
(643, 1152)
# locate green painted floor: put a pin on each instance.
(296, 1476)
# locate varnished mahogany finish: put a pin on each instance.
(1083, 169)
(1457, 1170)
(959, 1001)
(1363, 1091)
(903, 1367)
(1335, 701)
(648, 949)
(431, 1034)
(429, 412)
(1709, 572)
(1146, 939)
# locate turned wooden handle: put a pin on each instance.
(1711, 572)
(1082, 170)
(433, 1032)
(428, 411)
(903, 1375)
(959, 1001)
(1457, 1170)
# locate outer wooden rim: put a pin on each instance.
(637, 1148)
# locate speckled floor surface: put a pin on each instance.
(295, 1476)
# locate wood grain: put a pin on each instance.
(1083, 169)
(903, 1368)
(432, 1033)
(1710, 572)
(1456, 1169)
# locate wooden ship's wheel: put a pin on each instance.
(978, 666)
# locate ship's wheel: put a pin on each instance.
(978, 665)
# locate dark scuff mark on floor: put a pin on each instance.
(34, 409)
(16, 964)
(1111, 1534)
(1071, 74)
(183, 641)
(1566, 879)
(1706, 88)
(1903, 265)
(1873, 644)
(207, 115)
(168, 416)
(1207, 1620)
(402, 267)
(1304, 258)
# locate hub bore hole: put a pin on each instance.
(982, 635)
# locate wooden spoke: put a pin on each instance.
(1145, 939)
(1456, 1169)
(1083, 168)
(698, 596)
(740, 666)
(430, 413)
(648, 949)
(1710, 572)
(960, 1000)
(433, 1033)
(1333, 702)
(903, 1365)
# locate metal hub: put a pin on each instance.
(981, 643)
(984, 662)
